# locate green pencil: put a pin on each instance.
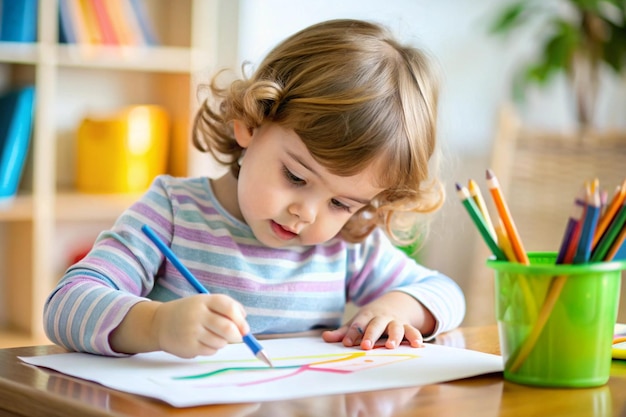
(479, 221)
(607, 240)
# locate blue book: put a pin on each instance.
(16, 121)
(18, 20)
(147, 30)
(66, 30)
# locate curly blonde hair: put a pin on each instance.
(353, 94)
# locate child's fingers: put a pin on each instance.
(230, 309)
(395, 334)
(334, 336)
(348, 334)
(413, 336)
(217, 326)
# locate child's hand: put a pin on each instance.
(395, 315)
(198, 325)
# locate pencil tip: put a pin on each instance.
(262, 356)
(458, 186)
(489, 174)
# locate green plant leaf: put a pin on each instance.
(614, 53)
(560, 48)
(509, 18)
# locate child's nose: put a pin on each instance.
(305, 211)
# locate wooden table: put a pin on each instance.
(31, 391)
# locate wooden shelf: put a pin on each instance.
(82, 207)
(19, 53)
(150, 59)
(70, 206)
(18, 209)
(10, 339)
(71, 80)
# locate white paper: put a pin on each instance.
(303, 367)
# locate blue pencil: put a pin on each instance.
(583, 251)
(249, 338)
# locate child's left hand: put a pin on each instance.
(395, 314)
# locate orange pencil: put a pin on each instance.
(605, 219)
(507, 219)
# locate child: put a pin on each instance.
(330, 138)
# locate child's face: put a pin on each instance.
(288, 198)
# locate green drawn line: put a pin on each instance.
(240, 368)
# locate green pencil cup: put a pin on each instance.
(556, 322)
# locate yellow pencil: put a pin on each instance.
(474, 191)
(504, 242)
(505, 245)
(507, 219)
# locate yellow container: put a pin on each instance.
(124, 152)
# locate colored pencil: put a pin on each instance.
(609, 237)
(554, 291)
(617, 244)
(573, 243)
(504, 242)
(479, 221)
(572, 223)
(474, 191)
(248, 339)
(505, 245)
(507, 219)
(556, 285)
(592, 213)
(609, 213)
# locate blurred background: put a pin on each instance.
(113, 102)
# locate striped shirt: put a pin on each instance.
(284, 290)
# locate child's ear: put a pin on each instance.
(243, 133)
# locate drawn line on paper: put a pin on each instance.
(331, 363)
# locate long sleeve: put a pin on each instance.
(96, 293)
(376, 267)
(284, 290)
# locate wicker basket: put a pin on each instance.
(542, 173)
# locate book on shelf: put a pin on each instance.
(145, 25)
(67, 33)
(18, 20)
(73, 27)
(88, 13)
(105, 22)
(16, 120)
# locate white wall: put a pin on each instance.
(476, 67)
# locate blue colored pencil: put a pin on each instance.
(583, 251)
(248, 339)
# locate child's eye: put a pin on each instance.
(339, 205)
(291, 177)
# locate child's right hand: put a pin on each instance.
(191, 326)
(198, 325)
